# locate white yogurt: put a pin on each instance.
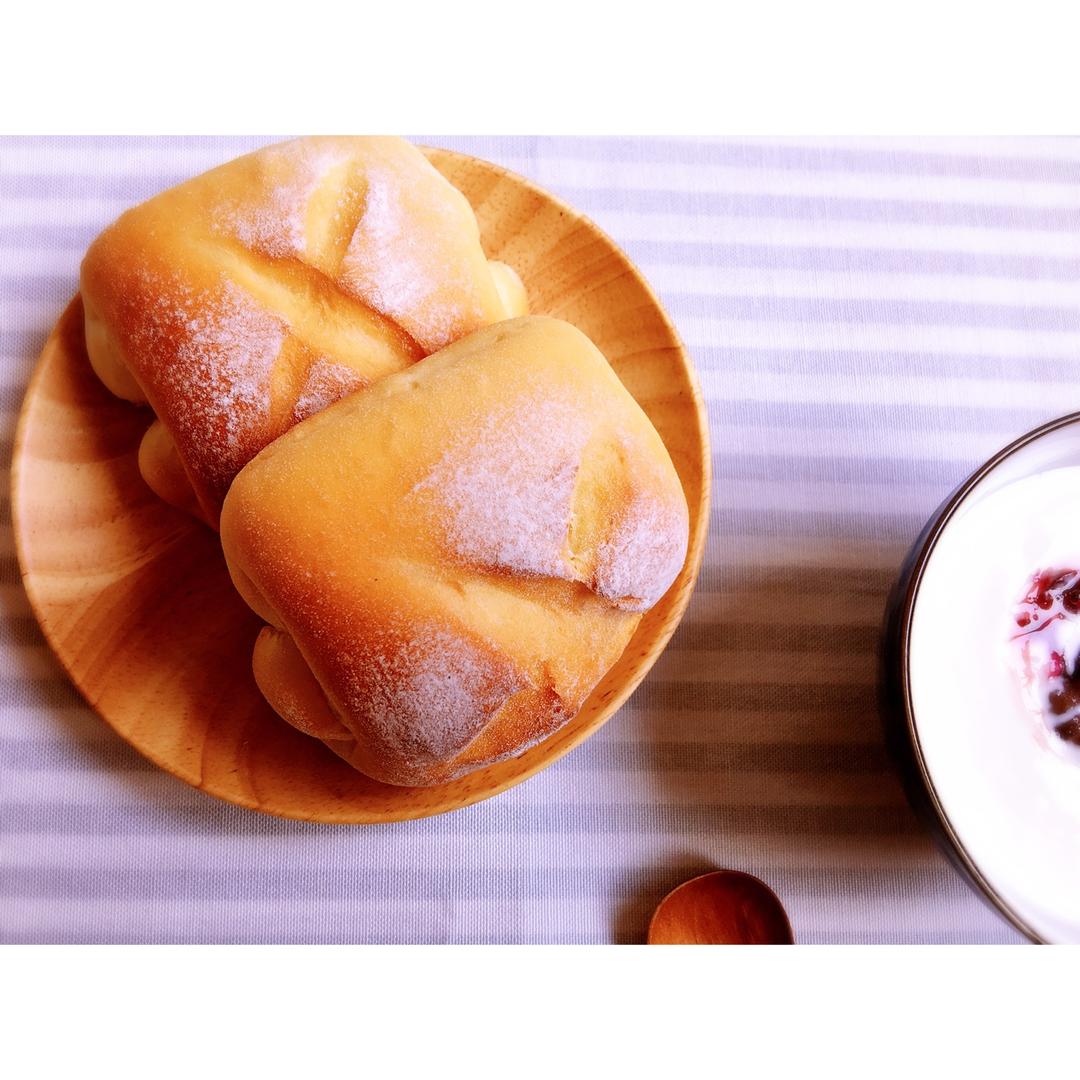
(1008, 784)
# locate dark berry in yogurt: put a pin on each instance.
(1047, 632)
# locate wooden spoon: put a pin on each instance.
(726, 907)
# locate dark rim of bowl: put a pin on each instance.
(896, 675)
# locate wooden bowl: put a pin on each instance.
(135, 599)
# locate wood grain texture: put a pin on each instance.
(134, 597)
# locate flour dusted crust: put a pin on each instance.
(251, 297)
(451, 561)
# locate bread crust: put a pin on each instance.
(246, 299)
(452, 560)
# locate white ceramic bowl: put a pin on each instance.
(1001, 797)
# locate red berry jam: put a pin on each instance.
(1048, 622)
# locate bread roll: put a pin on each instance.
(243, 301)
(450, 561)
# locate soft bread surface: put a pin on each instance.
(450, 561)
(248, 298)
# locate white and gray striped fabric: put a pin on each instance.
(870, 320)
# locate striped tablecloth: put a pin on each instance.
(870, 320)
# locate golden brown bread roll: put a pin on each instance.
(250, 297)
(450, 561)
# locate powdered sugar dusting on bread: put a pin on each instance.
(427, 693)
(272, 222)
(327, 381)
(503, 494)
(411, 268)
(225, 347)
(643, 553)
(503, 498)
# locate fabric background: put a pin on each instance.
(870, 319)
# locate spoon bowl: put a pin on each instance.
(725, 907)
